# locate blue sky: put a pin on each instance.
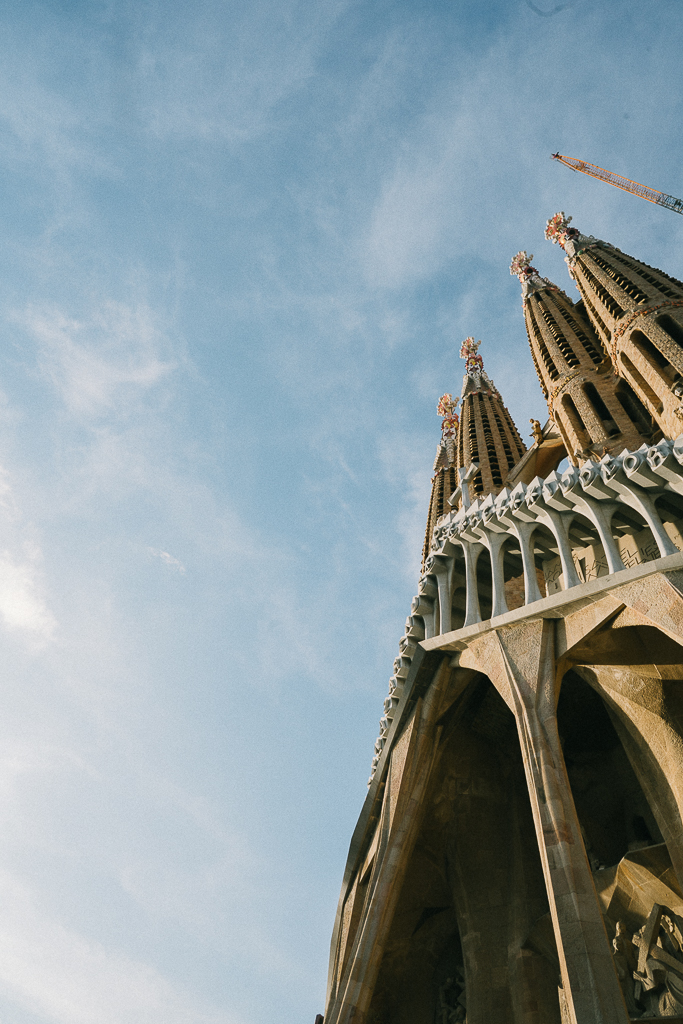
(242, 243)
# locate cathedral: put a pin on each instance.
(519, 855)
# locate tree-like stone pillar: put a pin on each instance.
(520, 662)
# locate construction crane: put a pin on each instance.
(651, 194)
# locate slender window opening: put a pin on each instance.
(651, 353)
(630, 287)
(548, 361)
(609, 302)
(490, 444)
(562, 342)
(649, 394)
(601, 410)
(672, 328)
(575, 420)
(634, 408)
(596, 316)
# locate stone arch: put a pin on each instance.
(459, 588)
(671, 327)
(544, 549)
(513, 573)
(669, 508)
(653, 356)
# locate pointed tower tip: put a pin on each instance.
(446, 407)
(445, 453)
(557, 229)
(521, 264)
(529, 277)
(572, 240)
(476, 378)
(469, 351)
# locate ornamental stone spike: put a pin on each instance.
(529, 277)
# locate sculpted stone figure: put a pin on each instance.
(536, 430)
(659, 973)
(626, 962)
(452, 1006)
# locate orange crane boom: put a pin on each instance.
(651, 194)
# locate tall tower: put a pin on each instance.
(637, 311)
(594, 410)
(487, 435)
(444, 480)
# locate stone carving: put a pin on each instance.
(536, 430)
(625, 961)
(657, 987)
(452, 1008)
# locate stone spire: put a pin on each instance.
(487, 435)
(444, 480)
(637, 311)
(593, 409)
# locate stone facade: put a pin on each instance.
(519, 855)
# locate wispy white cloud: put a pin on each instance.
(168, 559)
(99, 361)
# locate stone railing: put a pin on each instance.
(596, 520)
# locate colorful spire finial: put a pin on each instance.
(557, 229)
(469, 352)
(446, 406)
(521, 265)
(449, 430)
